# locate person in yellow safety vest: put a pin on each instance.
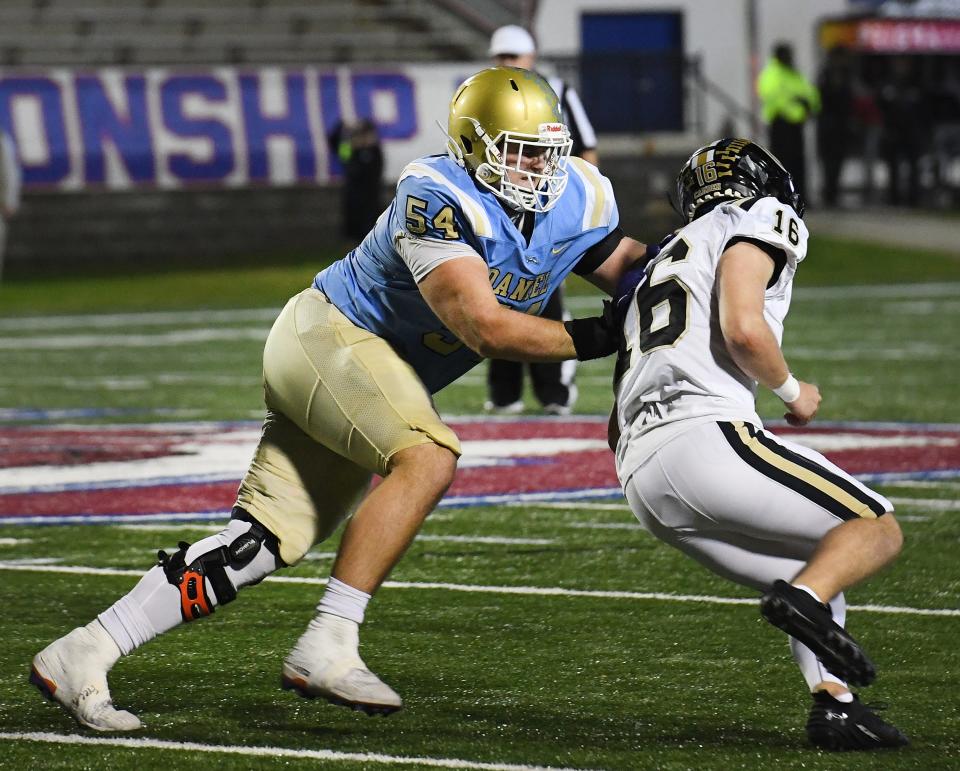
(788, 100)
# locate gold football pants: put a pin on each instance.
(340, 403)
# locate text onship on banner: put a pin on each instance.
(119, 129)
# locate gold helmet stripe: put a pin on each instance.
(598, 207)
(479, 220)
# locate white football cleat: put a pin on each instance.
(514, 408)
(325, 662)
(563, 409)
(73, 672)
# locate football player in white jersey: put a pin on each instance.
(459, 266)
(699, 470)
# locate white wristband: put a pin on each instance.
(789, 390)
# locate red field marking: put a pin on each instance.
(541, 457)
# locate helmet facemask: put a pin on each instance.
(526, 171)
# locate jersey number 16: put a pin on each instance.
(662, 308)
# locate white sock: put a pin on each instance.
(343, 600)
(809, 591)
(813, 671)
(106, 644)
(152, 607)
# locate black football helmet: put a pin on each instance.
(729, 169)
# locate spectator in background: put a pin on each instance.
(868, 126)
(358, 148)
(788, 100)
(513, 46)
(905, 132)
(835, 122)
(10, 180)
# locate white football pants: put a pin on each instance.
(749, 506)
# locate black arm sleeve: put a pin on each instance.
(597, 254)
(776, 254)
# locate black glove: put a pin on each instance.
(595, 337)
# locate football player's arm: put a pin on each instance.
(627, 254)
(458, 291)
(743, 273)
(590, 156)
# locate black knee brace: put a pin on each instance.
(191, 580)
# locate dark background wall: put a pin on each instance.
(81, 232)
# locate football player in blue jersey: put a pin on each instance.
(456, 269)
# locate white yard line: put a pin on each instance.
(920, 308)
(537, 591)
(129, 382)
(14, 541)
(947, 291)
(183, 337)
(323, 555)
(911, 353)
(487, 539)
(574, 505)
(603, 525)
(22, 561)
(582, 379)
(928, 504)
(175, 527)
(127, 320)
(926, 484)
(293, 753)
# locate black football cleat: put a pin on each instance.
(839, 727)
(799, 615)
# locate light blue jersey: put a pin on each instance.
(437, 200)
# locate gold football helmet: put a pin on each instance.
(505, 129)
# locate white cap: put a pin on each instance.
(512, 40)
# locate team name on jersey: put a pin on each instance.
(522, 289)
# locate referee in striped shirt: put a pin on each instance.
(513, 46)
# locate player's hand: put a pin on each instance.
(805, 406)
(596, 337)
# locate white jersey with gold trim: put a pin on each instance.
(675, 371)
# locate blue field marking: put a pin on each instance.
(123, 484)
(117, 519)
(10, 414)
(27, 415)
(453, 502)
(891, 477)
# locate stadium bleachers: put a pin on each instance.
(159, 227)
(181, 32)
